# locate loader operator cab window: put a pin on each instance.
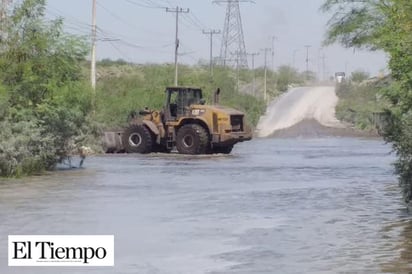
(173, 104)
(194, 97)
(179, 101)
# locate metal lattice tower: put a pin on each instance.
(233, 50)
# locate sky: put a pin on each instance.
(141, 31)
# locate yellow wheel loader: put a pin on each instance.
(185, 123)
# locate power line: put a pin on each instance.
(151, 2)
(196, 19)
(116, 16)
(168, 2)
(191, 21)
(59, 13)
(254, 54)
(103, 34)
(127, 23)
(150, 5)
(119, 51)
(188, 22)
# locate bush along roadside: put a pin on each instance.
(362, 104)
(43, 96)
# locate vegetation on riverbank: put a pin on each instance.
(384, 25)
(361, 103)
(44, 100)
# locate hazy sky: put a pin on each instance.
(137, 31)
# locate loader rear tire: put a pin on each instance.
(192, 139)
(138, 139)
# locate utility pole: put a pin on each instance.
(253, 70)
(307, 61)
(274, 38)
(211, 33)
(265, 50)
(93, 57)
(237, 53)
(177, 10)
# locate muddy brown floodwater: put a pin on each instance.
(324, 205)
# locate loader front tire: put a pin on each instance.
(137, 139)
(192, 139)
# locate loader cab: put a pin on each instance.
(178, 101)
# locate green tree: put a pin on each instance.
(45, 99)
(355, 23)
(359, 75)
(384, 25)
(286, 76)
(38, 58)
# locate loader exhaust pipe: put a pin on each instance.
(216, 96)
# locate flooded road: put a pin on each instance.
(327, 205)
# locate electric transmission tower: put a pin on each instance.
(233, 50)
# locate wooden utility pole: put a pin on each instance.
(265, 95)
(237, 68)
(94, 38)
(274, 38)
(211, 33)
(177, 10)
(307, 61)
(253, 70)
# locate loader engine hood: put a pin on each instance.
(224, 123)
(218, 109)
